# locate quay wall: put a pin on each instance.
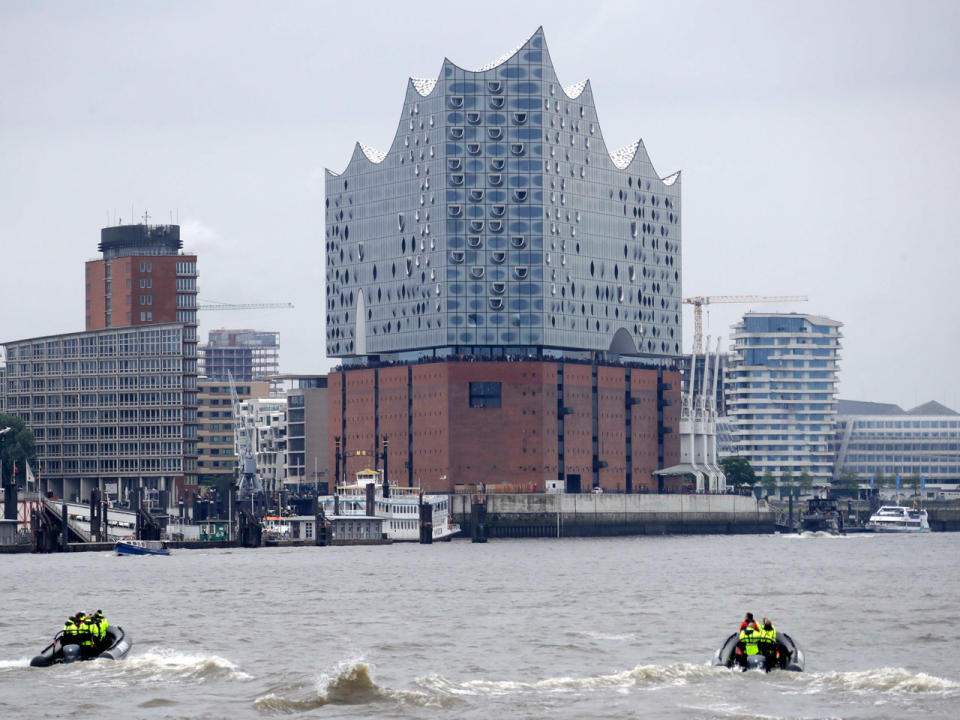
(587, 515)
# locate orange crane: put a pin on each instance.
(700, 300)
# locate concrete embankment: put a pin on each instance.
(588, 515)
(944, 519)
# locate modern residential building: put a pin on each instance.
(881, 439)
(115, 407)
(249, 355)
(307, 432)
(216, 445)
(142, 278)
(503, 291)
(781, 392)
(266, 418)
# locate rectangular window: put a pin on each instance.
(485, 394)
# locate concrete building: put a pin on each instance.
(116, 406)
(782, 393)
(248, 354)
(875, 439)
(307, 433)
(216, 447)
(141, 279)
(499, 229)
(113, 408)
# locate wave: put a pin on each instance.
(885, 680)
(7, 664)
(171, 665)
(641, 676)
(351, 683)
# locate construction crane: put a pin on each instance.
(214, 305)
(700, 300)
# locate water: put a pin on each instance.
(592, 628)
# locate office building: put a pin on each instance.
(142, 278)
(781, 393)
(249, 355)
(882, 439)
(499, 229)
(307, 434)
(115, 406)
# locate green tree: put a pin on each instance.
(739, 471)
(16, 446)
(880, 480)
(769, 482)
(787, 481)
(849, 481)
(913, 482)
(805, 483)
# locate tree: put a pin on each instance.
(849, 481)
(880, 480)
(738, 471)
(16, 446)
(805, 483)
(769, 482)
(914, 483)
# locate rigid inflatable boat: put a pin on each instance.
(790, 656)
(116, 648)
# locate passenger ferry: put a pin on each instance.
(899, 519)
(276, 528)
(398, 506)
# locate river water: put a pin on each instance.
(574, 628)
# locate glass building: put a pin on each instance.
(880, 439)
(781, 393)
(498, 223)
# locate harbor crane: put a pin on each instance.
(249, 480)
(215, 305)
(700, 300)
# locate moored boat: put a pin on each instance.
(141, 547)
(398, 506)
(899, 519)
(116, 647)
(789, 656)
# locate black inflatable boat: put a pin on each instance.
(116, 648)
(790, 656)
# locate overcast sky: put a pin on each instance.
(819, 144)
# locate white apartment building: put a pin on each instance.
(781, 388)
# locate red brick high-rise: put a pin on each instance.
(142, 279)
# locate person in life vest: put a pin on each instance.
(99, 625)
(748, 644)
(71, 632)
(748, 618)
(770, 646)
(85, 636)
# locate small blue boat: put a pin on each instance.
(141, 547)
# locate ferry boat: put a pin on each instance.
(141, 547)
(899, 519)
(275, 529)
(399, 507)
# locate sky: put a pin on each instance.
(819, 144)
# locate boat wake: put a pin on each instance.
(880, 680)
(168, 665)
(642, 676)
(350, 683)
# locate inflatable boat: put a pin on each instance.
(789, 656)
(116, 648)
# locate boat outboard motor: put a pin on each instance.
(71, 653)
(756, 662)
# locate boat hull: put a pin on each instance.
(794, 662)
(56, 653)
(125, 548)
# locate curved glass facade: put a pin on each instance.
(498, 219)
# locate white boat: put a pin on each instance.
(899, 519)
(399, 507)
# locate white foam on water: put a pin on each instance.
(163, 663)
(881, 680)
(642, 676)
(22, 662)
